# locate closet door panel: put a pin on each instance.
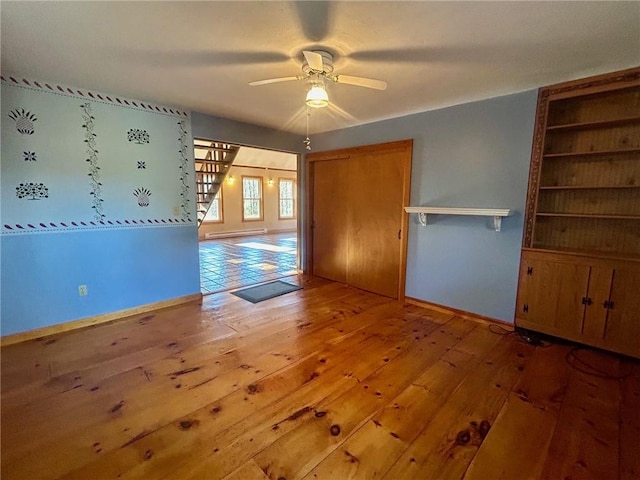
(374, 219)
(330, 232)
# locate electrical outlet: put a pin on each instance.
(82, 290)
(176, 211)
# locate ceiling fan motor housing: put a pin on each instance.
(327, 63)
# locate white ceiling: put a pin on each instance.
(202, 55)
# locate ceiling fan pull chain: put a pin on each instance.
(307, 141)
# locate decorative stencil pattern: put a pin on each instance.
(32, 191)
(96, 96)
(92, 152)
(138, 136)
(24, 121)
(79, 225)
(142, 194)
(184, 171)
(94, 134)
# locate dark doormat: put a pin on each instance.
(265, 291)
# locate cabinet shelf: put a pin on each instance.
(586, 252)
(586, 187)
(592, 154)
(497, 213)
(597, 124)
(589, 215)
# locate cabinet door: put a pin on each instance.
(552, 294)
(595, 315)
(622, 332)
(527, 287)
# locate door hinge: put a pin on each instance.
(529, 271)
(399, 234)
(525, 308)
(608, 304)
(586, 301)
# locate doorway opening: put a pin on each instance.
(247, 202)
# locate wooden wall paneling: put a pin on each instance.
(593, 140)
(606, 171)
(610, 105)
(602, 201)
(595, 235)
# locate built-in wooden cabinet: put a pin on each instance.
(590, 300)
(584, 199)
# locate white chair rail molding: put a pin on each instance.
(497, 213)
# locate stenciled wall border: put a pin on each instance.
(90, 225)
(74, 92)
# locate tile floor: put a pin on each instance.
(230, 263)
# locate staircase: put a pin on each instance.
(212, 161)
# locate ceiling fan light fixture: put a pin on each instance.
(317, 96)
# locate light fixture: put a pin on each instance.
(230, 179)
(317, 96)
(269, 179)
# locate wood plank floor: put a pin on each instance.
(328, 382)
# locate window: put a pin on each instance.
(286, 200)
(251, 198)
(215, 210)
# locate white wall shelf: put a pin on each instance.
(497, 213)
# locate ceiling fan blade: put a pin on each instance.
(314, 60)
(275, 80)
(361, 81)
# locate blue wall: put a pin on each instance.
(475, 155)
(121, 268)
(128, 252)
(231, 131)
(471, 155)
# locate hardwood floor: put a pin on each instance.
(328, 382)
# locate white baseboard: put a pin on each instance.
(238, 233)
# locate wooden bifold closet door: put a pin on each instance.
(357, 233)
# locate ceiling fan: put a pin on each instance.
(317, 67)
